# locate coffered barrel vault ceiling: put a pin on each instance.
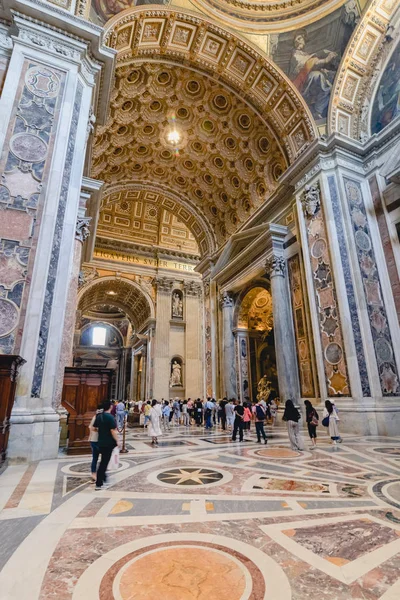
(240, 119)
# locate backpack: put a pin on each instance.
(260, 414)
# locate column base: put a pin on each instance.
(369, 416)
(34, 435)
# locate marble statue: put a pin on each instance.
(177, 305)
(176, 375)
(263, 389)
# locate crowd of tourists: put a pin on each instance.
(227, 414)
(237, 418)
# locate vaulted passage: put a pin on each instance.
(199, 299)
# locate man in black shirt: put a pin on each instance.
(108, 439)
(238, 424)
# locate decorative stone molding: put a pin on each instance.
(163, 284)
(311, 199)
(86, 275)
(226, 300)
(192, 288)
(82, 230)
(276, 265)
(5, 40)
(351, 97)
(206, 286)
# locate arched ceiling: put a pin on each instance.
(138, 216)
(268, 15)
(241, 121)
(118, 294)
(255, 311)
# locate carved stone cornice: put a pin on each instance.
(226, 300)
(82, 230)
(276, 265)
(163, 284)
(86, 275)
(192, 288)
(311, 199)
(6, 42)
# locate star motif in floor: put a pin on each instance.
(189, 476)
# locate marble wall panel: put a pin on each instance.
(301, 330)
(383, 346)
(207, 338)
(365, 386)
(55, 253)
(24, 165)
(334, 356)
(386, 243)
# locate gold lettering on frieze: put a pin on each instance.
(141, 260)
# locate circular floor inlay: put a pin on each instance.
(278, 453)
(189, 476)
(186, 573)
(390, 451)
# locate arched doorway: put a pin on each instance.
(255, 341)
(113, 320)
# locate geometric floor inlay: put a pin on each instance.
(190, 476)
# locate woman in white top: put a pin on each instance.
(331, 413)
(154, 426)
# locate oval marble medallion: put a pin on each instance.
(8, 316)
(333, 353)
(28, 147)
(42, 82)
(362, 240)
(383, 350)
(187, 573)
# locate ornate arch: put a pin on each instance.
(129, 296)
(178, 205)
(359, 69)
(182, 35)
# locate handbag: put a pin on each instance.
(325, 422)
(114, 460)
(314, 420)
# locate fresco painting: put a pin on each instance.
(102, 10)
(311, 56)
(386, 105)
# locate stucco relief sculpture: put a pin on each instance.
(311, 200)
(176, 374)
(263, 389)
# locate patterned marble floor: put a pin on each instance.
(202, 518)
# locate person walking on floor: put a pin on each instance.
(94, 439)
(230, 414)
(208, 412)
(246, 416)
(146, 410)
(154, 427)
(238, 422)
(185, 414)
(222, 412)
(260, 414)
(120, 414)
(177, 411)
(198, 412)
(292, 418)
(106, 427)
(312, 419)
(166, 411)
(331, 416)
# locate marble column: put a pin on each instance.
(143, 379)
(285, 343)
(45, 104)
(228, 346)
(194, 385)
(162, 334)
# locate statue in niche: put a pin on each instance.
(263, 389)
(177, 306)
(176, 374)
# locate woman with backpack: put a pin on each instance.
(292, 418)
(259, 415)
(330, 419)
(312, 419)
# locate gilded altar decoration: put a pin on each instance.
(263, 389)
